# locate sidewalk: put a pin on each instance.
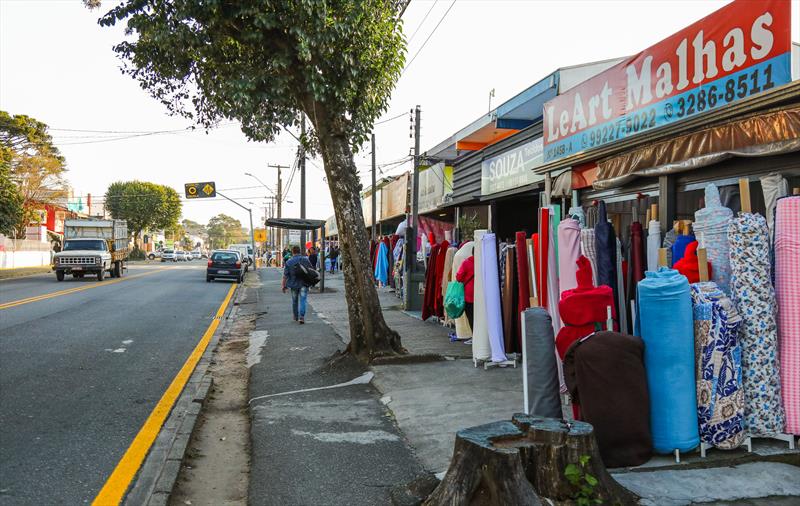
(333, 446)
(20, 272)
(433, 400)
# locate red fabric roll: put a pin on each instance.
(583, 307)
(638, 256)
(689, 265)
(544, 254)
(522, 273)
(438, 306)
(429, 299)
(535, 241)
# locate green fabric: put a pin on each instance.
(454, 299)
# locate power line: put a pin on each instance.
(430, 35)
(390, 119)
(422, 22)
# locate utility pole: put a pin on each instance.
(302, 177)
(279, 198)
(374, 199)
(413, 278)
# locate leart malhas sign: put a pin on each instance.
(738, 51)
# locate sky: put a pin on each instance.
(57, 65)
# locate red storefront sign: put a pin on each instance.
(739, 50)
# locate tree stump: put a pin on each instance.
(522, 461)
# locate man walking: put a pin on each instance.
(292, 281)
(334, 256)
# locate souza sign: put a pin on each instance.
(512, 169)
(738, 51)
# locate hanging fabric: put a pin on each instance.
(653, 244)
(382, 265)
(787, 283)
(720, 396)
(638, 255)
(463, 329)
(480, 328)
(773, 186)
(622, 306)
(537, 269)
(711, 223)
(591, 217)
(679, 248)
(447, 275)
(544, 256)
(438, 306)
(664, 308)
(754, 296)
(491, 289)
(588, 250)
(689, 265)
(523, 273)
(605, 374)
(577, 213)
(569, 239)
(429, 297)
(553, 284)
(542, 372)
(669, 240)
(606, 248)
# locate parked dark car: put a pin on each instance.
(225, 264)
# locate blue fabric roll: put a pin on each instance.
(667, 329)
(680, 246)
(606, 250)
(382, 265)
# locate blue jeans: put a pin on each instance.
(299, 302)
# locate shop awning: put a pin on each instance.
(760, 134)
(295, 223)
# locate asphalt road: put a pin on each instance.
(82, 365)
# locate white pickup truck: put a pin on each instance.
(92, 247)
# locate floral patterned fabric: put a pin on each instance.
(754, 296)
(711, 224)
(718, 362)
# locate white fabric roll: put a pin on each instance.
(491, 293)
(480, 331)
(463, 330)
(653, 244)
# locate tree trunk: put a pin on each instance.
(521, 461)
(370, 337)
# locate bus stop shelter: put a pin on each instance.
(304, 224)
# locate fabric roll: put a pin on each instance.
(438, 306)
(491, 290)
(711, 223)
(537, 269)
(754, 296)
(429, 297)
(606, 248)
(787, 281)
(591, 217)
(720, 396)
(577, 213)
(447, 275)
(605, 374)
(689, 265)
(653, 244)
(622, 306)
(463, 330)
(543, 390)
(544, 256)
(667, 329)
(480, 328)
(588, 250)
(679, 248)
(773, 186)
(382, 265)
(523, 273)
(569, 240)
(669, 240)
(638, 254)
(510, 314)
(553, 292)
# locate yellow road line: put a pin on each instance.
(68, 291)
(117, 484)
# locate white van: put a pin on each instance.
(246, 251)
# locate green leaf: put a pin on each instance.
(591, 480)
(584, 459)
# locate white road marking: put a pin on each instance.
(361, 380)
(258, 338)
(365, 438)
(127, 341)
(119, 350)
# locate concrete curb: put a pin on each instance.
(159, 472)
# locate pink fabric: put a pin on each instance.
(433, 226)
(569, 250)
(787, 281)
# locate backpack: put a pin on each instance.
(307, 275)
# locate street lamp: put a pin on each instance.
(260, 181)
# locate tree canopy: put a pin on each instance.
(224, 230)
(144, 205)
(33, 163)
(261, 62)
(11, 202)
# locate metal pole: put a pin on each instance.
(415, 182)
(322, 256)
(302, 177)
(279, 198)
(374, 197)
(252, 237)
(413, 279)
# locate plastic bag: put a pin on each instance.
(454, 299)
